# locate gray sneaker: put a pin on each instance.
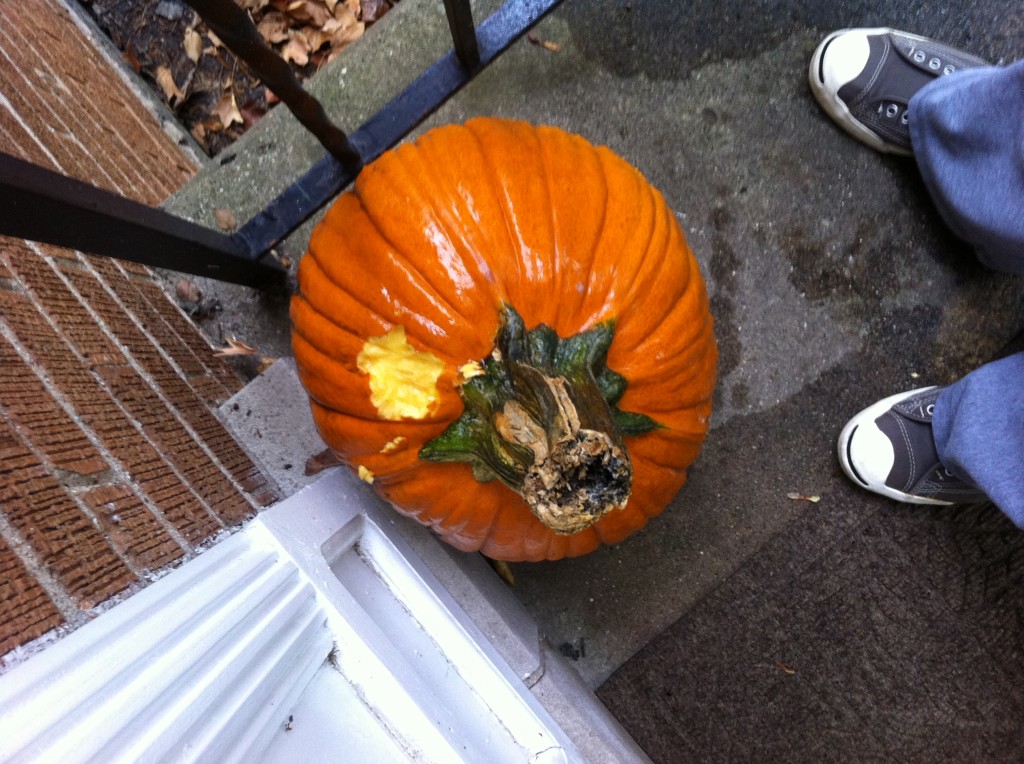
(889, 448)
(864, 79)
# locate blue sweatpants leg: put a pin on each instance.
(978, 424)
(967, 133)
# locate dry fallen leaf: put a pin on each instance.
(801, 497)
(348, 33)
(252, 113)
(132, 61)
(554, 47)
(504, 571)
(265, 363)
(787, 669)
(165, 80)
(273, 27)
(374, 9)
(227, 111)
(225, 219)
(193, 44)
(315, 38)
(213, 125)
(312, 13)
(296, 50)
(235, 348)
(322, 461)
(187, 291)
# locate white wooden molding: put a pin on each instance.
(315, 634)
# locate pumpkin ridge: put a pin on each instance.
(318, 317)
(311, 355)
(372, 435)
(463, 324)
(595, 245)
(557, 252)
(474, 265)
(325, 274)
(672, 321)
(602, 310)
(437, 330)
(507, 283)
(577, 241)
(309, 358)
(583, 542)
(538, 232)
(434, 152)
(636, 297)
(638, 240)
(515, 240)
(678, 372)
(357, 335)
(655, 460)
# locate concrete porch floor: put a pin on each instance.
(743, 623)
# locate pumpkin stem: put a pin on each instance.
(542, 418)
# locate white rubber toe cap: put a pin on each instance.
(844, 59)
(867, 455)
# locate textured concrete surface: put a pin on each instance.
(280, 437)
(833, 283)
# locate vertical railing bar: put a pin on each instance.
(234, 27)
(460, 22)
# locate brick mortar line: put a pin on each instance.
(97, 118)
(165, 119)
(77, 615)
(115, 463)
(88, 267)
(86, 510)
(10, 146)
(152, 382)
(29, 131)
(58, 124)
(87, 121)
(66, 606)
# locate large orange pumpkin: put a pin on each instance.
(500, 311)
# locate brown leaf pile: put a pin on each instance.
(211, 91)
(308, 31)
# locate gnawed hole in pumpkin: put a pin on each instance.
(403, 380)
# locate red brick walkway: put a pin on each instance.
(112, 465)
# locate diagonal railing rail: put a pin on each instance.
(42, 205)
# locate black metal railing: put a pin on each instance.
(42, 205)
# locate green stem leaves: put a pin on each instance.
(543, 419)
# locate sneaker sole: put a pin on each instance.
(870, 414)
(835, 107)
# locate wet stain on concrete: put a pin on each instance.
(668, 40)
(723, 265)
